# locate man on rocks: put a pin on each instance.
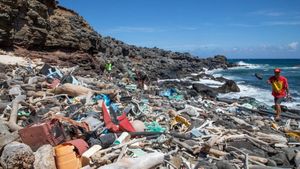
(280, 90)
(108, 69)
(141, 77)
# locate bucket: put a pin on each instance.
(66, 157)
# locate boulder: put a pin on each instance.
(229, 86)
(5, 136)
(290, 153)
(44, 158)
(17, 155)
(224, 165)
(297, 159)
(281, 159)
(205, 90)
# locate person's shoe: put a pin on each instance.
(277, 118)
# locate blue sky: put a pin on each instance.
(235, 28)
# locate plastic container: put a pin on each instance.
(48, 132)
(66, 157)
(123, 137)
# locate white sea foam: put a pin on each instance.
(290, 68)
(262, 95)
(211, 72)
(210, 83)
(245, 65)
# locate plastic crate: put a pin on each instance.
(48, 132)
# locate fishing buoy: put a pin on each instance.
(258, 76)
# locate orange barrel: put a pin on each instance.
(66, 157)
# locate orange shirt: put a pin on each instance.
(279, 86)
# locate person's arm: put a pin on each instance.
(286, 85)
(269, 80)
(287, 88)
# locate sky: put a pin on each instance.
(234, 28)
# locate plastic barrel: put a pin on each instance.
(66, 157)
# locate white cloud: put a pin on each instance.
(293, 45)
(190, 47)
(186, 28)
(244, 25)
(130, 29)
(267, 13)
(283, 23)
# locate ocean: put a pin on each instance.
(250, 86)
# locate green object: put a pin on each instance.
(176, 97)
(137, 152)
(108, 66)
(23, 113)
(154, 127)
(131, 87)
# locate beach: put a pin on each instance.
(147, 85)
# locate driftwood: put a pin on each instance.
(105, 159)
(71, 90)
(217, 153)
(264, 147)
(120, 146)
(3, 106)
(184, 145)
(239, 121)
(8, 138)
(240, 136)
(272, 138)
(147, 161)
(76, 90)
(245, 156)
(12, 123)
(265, 167)
(124, 150)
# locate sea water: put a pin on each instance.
(244, 75)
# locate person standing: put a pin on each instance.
(280, 90)
(141, 77)
(108, 69)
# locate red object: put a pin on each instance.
(49, 132)
(279, 86)
(54, 84)
(277, 70)
(125, 125)
(107, 119)
(80, 145)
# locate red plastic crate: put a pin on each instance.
(49, 132)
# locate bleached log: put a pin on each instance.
(12, 123)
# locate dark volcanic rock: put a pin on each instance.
(229, 86)
(281, 159)
(43, 25)
(224, 165)
(205, 90)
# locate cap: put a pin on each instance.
(277, 70)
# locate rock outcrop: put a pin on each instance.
(229, 86)
(43, 25)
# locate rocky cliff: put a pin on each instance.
(43, 25)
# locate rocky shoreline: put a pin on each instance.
(43, 29)
(178, 123)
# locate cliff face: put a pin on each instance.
(42, 24)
